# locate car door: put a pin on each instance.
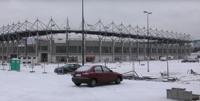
(99, 74)
(108, 74)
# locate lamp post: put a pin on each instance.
(83, 35)
(147, 13)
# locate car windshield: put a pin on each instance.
(84, 68)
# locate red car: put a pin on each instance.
(93, 75)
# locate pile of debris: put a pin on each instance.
(133, 75)
(191, 71)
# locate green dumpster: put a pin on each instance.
(15, 64)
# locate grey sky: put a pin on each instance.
(177, 15)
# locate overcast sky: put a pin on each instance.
(173, 15)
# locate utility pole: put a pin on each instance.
(148, 48)
(83, 35)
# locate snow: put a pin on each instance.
(26, 86)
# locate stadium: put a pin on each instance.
(37, 42)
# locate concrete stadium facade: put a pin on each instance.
(97, 50)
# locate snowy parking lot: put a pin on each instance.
(26, 86)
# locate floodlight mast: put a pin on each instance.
(148, 55)
(83, 35)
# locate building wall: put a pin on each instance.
(72, 50)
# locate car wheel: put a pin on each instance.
(77, 84)
(118, 80)
(92, 83)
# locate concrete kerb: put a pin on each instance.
(174, 92)
(181, 94)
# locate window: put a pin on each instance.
(30, 49)
(92, 49)
(141, 50)
(21, 49)
(68, 66)
(98, 69)
(79, 49)
(76, 65)
(73, 49)
(72, 59)
(44, 48)
(60, 49)
(126, 49)
(118, 49)
(60, 58)
(106, 49)
(134, 50)
(84, 68)
(15, 50)
(105, 69)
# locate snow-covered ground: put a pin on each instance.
(26, 86)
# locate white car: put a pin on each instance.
(163, 58)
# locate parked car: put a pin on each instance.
(170, 57)
(163, 58)
(152, 58)
(93, 75)
(190, 60)
(66, 68)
